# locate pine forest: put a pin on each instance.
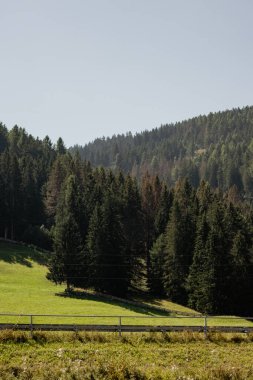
(166, 212)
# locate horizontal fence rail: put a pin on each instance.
(197, 323)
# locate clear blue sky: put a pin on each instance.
(82, 69)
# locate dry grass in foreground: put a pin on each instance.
(76, 356)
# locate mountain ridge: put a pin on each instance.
(217, 147)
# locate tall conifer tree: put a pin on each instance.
(132, 222)
(68, 264)
(106, 249)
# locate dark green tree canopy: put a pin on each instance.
(217, 148)
(118, 234)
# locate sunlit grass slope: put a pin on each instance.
(24, 289)
(166, 304)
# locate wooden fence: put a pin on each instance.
(205, 325)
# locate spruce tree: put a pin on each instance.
(14, 196)
(60, 147)
(157, 253)
(199, 270)
(95, 249)
(179, 241)
(68, 264)
(241, 287)
(150, 198)
(163, 210)
(60, 170)
(175, 261)
(133, 233)
(106, 249)
(240, 243)
(208, 276)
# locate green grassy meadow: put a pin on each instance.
(24, 289)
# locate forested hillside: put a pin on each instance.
(25, 163)
(117, 235)
(193, 246)
(217, 148)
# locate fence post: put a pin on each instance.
(205, 327)
(31, 325)
(120, 327)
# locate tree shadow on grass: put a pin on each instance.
(20, 254)
(126, 304)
